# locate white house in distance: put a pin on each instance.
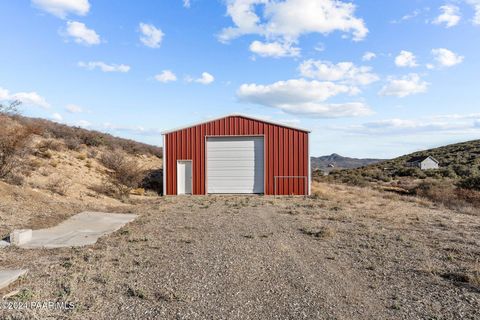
(423, 162)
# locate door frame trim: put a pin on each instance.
(191, 169)
(233, 136)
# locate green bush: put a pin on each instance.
(471, 183)
(410, 172)
(441, 173)
(463, 170)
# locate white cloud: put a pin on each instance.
(166, 76)
(83, 124)
(406, 59)
(4, 94)
(57, 116)
(408, 16)
(61, 8)
(288, 20)
(404, 86)
(81, 34)
(436, 124)
(344, 71)
(206, 78)
(186, 3)
(73, 108)
(450, 16)
(31, 98)
(446, 58)
(151, 36)
(367, 56)
(303, 97)
(27, 98)
(104, 66)
(476, 6)
(274, 49)
(135, 130)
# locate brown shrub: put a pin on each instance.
(73, 143)
(124, 174)
(14, 140)
(58, 185)
(105, 188)
(15, 179)
(50, 144)
(82, 156)
(445, 193)
(74, 137)
(323, 232)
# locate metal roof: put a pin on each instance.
(421, 159)
(236, 115)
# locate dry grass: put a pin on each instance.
(58, 185)
(448, 195)
(323, 232)
(358, 246)
(124, 173)
(14, 146)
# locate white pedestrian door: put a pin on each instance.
(184, 177)
(235, 164)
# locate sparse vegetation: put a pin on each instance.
(23, 296)
(470, 183)
(29, 146)
(76, 138)
(456, 184)
(137, 293)
(14, 146)
(320, 233)
(58, 185)
(124, 173)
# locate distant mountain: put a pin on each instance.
(457, 161)
(336, 161)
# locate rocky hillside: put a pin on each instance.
(455, 184)
(335, 161)
(457, 161)
(83, 166)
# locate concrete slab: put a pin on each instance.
(80, 230)
(21, 236)
(4, 244)
(9, 276)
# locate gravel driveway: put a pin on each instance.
(260, 258)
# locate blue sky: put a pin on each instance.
(370, 78)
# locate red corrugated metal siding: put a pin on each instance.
(286, 153)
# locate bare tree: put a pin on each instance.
(124, 173)
(14, 140)
(10, 109)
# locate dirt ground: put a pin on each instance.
(346, 253)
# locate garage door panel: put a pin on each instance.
(232, 155)
(235, 165)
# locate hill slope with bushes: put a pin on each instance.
(456, 161)
(456, 182)
(64, 162)
(336, 161)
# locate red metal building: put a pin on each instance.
(236, 154)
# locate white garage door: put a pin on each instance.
(235, 165)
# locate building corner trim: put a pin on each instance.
(164, 166)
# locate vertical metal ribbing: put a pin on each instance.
(286, 153)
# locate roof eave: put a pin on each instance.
(235, 115)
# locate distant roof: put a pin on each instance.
(237, 115)
(421, 159)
